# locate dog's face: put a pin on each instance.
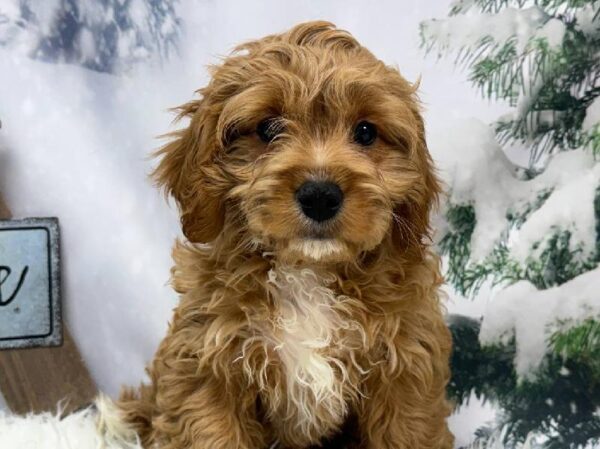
(305, 145)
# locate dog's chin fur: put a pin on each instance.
(312, 252)
(288, 330)
(317, 250)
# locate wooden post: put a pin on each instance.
(40, 379)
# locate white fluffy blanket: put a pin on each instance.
(98, 427)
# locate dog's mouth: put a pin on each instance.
(319, 242)
(318, 232)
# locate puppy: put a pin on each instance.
(309, 295)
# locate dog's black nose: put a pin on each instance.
(319, 200)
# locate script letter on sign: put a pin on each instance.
(30, 313)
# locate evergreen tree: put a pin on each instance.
(541, 257)
(102, 35)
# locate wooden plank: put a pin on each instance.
(4, 211)
(39, 379)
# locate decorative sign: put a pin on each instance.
(30, 312)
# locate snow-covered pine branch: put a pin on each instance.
(502, 227)
(541, 59)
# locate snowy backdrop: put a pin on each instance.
(84, 91)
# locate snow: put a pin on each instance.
(45, 14)
(471, 30)
(498, 441)
(532, 316)
(561, 211)
(87, 45)
(529, 90)
(585, 19)
(88, 32)
(468, 418)
(520, 26)
(592, 115)
(139, 11)
(553, 32)
(457, 304)
(481, 175)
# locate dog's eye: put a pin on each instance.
(365, 133)
(268, 129)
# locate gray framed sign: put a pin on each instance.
(30, 308)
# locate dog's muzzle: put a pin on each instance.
(320, 200)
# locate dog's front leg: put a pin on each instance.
(397, 415)
(211, 416)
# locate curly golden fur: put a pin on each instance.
(286, 328)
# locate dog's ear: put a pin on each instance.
(188, 171)
(413, 216)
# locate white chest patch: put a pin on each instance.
(303, 334)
